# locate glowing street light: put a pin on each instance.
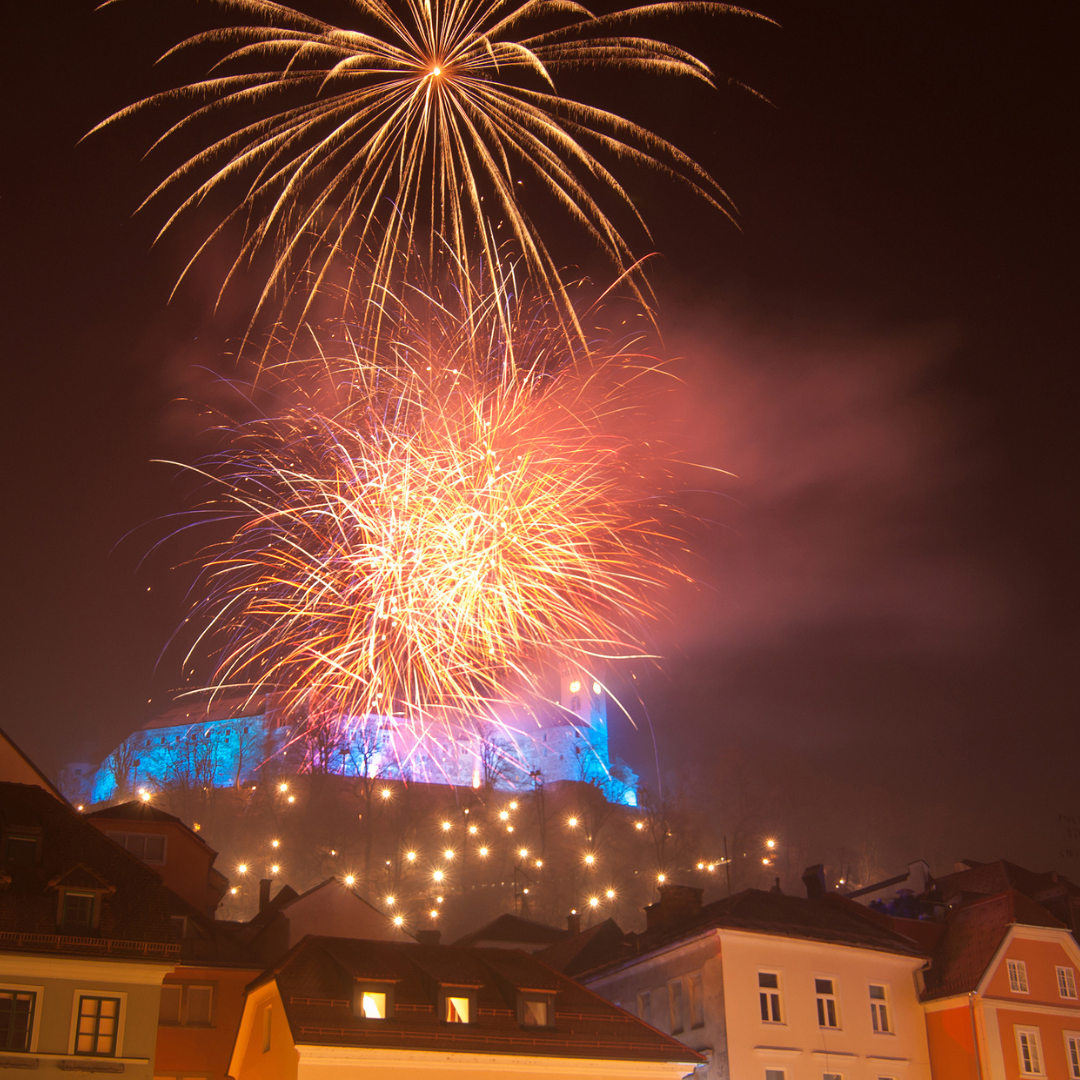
(242, 868)
(410, 856)
(386, 793)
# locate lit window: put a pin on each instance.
(457, 1010)
(828, 1016)
(1029, 1051)
(1018, 983)
(879, 1010)
(769, 997)
(98, 1022)
(373, 1005)
(16, 1018)
(1072, 1053)
(1066, 977)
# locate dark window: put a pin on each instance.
(21, 849)
(536, 1010)
(78, 911)
(16, 1018)
(99, 1018)
(769, 996)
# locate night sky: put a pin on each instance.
(881, 661)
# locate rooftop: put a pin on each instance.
(317, 979)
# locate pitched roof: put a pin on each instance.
(316, 981)
(988, 879)
(971, 937)
(513, 929)
(16, 767)
(830, 919)
(580, 952)
(134, 915)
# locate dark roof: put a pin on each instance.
(511, 928)
(135, 905)
(317, 977)
(989, 879)
(135, 810)
(972, 935)
(589, 949)
(829, 918)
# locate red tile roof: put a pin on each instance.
(316, 981)
(972, 935)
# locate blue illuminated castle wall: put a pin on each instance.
(225, 747)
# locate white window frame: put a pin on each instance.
(769, 992)
(122, 839)
(884, 1004)
(1072, 1053)
(35, 1020)
(1018, 980)
(1032, 1034)
(76, 998)
(834, 997)
(1066, 980)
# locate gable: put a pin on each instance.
(1041, 951)
(334, 910)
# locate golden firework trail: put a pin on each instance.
(446, 531)
(417, 128)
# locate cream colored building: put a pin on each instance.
(337, 1007)
(774, 987)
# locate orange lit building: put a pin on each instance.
(1001, 994)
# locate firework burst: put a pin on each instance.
(440, 537)
(418, 126)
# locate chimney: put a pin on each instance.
(264, 894)
(677, 904)
(573, 922)
(814, 880)
(428, 937)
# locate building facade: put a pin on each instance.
(85, 943)
(772, 987)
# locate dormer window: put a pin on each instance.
(22, 847)
(77, 911)
(457, 1009)
(373, 1000)
(457, 1004)
(536, 1009)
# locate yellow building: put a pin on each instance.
(402, 1011)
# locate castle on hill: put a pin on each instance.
(232, 742)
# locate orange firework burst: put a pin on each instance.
(333, 140)
(427, 548)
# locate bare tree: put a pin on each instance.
(122, 765)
